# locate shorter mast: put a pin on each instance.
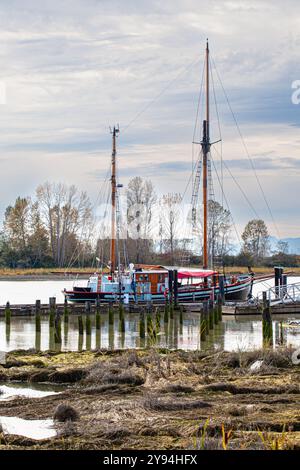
(113, 203)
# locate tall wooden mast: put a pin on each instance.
(113, 203)
(205, 150)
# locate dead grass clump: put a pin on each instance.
(235, 390)
(110, 373)
(41, 376)
(276, 358)
(67, 376)
(177, 388)
(128, 378)
(157, 404)
(231, 360)
(236, 410)
(65, 412)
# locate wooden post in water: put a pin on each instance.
(38, 316)
(203, 327)
(267, 322)
(52, 309)
(97, 315)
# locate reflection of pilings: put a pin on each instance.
(110, 315)
(37, 340)
(267, 322)
(57, 328)
(80, 325)
(98, 338)
(80, 342)
(52, 309)
(142, 325)
(211, 315)
(166, 312)
(7, 313)
(66, 332)
(157, 319)
(121, 318)
(88, 325)
(51, 338)
(88, 342)
(66, 311)
(111, 336)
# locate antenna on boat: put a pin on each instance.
(115, 131)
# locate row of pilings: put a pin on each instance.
(153, 321)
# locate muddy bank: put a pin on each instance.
(155, 399)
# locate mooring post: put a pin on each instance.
(206, 315)
(267, 321)
(121, 317)
(38, 316)
(97, 315)
(278, 271)
(284, 285)
(52, 308)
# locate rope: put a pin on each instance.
(247, 153)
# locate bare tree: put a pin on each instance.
(141, 199)
(170, 209)
(68, 216)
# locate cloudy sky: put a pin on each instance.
(69, 69)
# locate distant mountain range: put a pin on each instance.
(293, 243)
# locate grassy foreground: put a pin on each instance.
(157, 399)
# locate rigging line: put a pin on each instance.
(219, 127)
(240, 188)
(225, 199)
(189, 180)
(197, 111)
(147, 106)
(247, 153)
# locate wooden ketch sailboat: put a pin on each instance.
(156, 283)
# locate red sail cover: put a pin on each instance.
(202, 274)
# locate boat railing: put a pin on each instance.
(289, 293)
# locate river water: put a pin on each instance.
(233, 334)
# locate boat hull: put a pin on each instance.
(237, 292)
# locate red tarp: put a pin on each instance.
(202, 274)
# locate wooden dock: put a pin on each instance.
(249, 309)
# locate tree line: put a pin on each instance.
(57, 227)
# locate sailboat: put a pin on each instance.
(156, 284)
